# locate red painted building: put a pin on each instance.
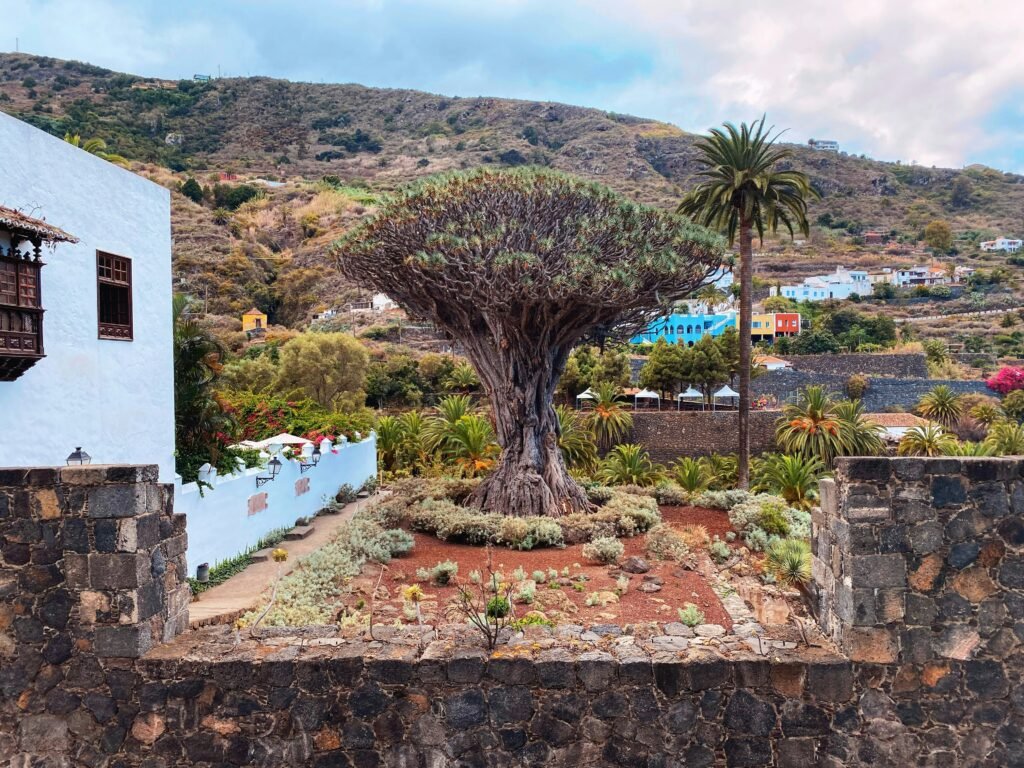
(787, 323)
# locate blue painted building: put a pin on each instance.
(687, 329)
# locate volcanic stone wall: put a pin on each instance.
(919, 565)
(669, 434)
(900, 366)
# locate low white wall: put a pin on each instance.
(233, 515)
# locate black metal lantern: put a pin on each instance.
(316, 455)
(274, 466)
(78, 457)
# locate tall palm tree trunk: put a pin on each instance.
(746, 301)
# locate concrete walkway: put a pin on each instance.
(226, 602)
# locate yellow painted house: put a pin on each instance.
(762, 326)
(254, 320)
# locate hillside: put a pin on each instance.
(368, 140)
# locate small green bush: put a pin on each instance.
(664, 543)
(691, 615)
(498, 607)
(603, 550)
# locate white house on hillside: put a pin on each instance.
(824, 145)
(840, 284)
(85, 307)
(1002, 244)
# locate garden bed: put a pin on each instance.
(653, 596)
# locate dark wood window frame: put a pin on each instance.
(114, 300)
(21, 313)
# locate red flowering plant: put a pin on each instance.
(260, 416)
(1008, 379)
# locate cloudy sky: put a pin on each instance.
(937, 82)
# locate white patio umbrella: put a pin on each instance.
(690, 394)
(586, 394)
(724, 392)
(646, 394)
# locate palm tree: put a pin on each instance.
(609, 421)
(202, 426)
(472, 445)
(858, 435)
(575, 440)
(794, 478)
(969, 448)
(986, 414)
(447, 412)
(943, 405)
(1006, 438)
(416, 450)
(390, 440)
(741, 191)
(811, 426)
(720, 471)
(462, 378)
(630, 464)
(927, 440)
(95, 146)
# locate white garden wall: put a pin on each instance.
(232, 516)
(113, 398)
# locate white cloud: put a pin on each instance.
(910, 80)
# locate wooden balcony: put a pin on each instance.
(21, 340)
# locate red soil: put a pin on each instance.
(679, 586)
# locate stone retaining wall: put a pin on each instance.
(920, 571)
(669, 434)
(901, 366)
(883, 394)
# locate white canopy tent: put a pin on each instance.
(690, 394)
(646, 394)
(584, 396)
(723, 393)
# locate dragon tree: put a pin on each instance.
(520, 266)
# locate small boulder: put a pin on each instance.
(635, 564)
(649, 587)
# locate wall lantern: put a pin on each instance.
(273, 467)
(310, 457)
(78, 457)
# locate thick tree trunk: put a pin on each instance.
(746, 297)
(531, 476)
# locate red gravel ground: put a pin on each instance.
(679, 586)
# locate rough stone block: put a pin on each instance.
(118, 571)
(117, 501)
(830, 682)
(123, 642)
(879, 571)
(876, 646)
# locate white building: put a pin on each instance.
(921, 275)
(824, 145)
(381, 302)
(886, 275)
(1002, 244)
(840, 284)
(85, 333)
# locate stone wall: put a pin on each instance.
(669, 434)
(920, 569)
(92, 564)
(901, 366)
(883, 394)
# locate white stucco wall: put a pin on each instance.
(113, 398)
(219, 524)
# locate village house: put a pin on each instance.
(254, 321)
(85, 308)
(922, 275)
(1002, 244)
(840, 284)
(824, 145)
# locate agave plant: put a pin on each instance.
(575, 440)
(690, 474)
(630, 464)
(927, 440)
(471, 445)
(789, 561)
(795, 478)
(1006, 438)
(609, 421)
(941, 404)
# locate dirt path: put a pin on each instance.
(226, 602)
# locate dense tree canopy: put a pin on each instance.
(519, 266)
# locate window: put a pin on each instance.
(114, 296)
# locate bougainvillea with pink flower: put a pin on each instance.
(1008, 379)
